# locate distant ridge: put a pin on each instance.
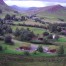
(14, 7)
(53, 8)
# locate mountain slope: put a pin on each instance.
(4, 6)
(53, 8)
(20, 9)
(5, 9)
(55, 11)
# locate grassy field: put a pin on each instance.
(29, 22)
(53, 15)
(11, 49)
(63, 39)
(34, 29)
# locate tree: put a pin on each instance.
(23, 18)
(1, 48)
(9, 30)
(13, 17)
(26, 35)
(40, 49)
(8, 40)
(53, 27)
(45, 34)
(7, 17)
(26, 53)
(60, 50)
(0, 11)
(17, 32)
(59, 29)
(50, 36)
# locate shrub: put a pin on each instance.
(17, 32)
(57, 37)
(8, 39)
(1, 38)
(1, 48)
(50, 36)
(60, 51)
(45, 34)
(7, 17)
(36, 52)
(0, 11)
(26, 53)
(40, 49)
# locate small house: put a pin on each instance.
(25, 48)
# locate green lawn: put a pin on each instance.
(63, 39)
(12, 48)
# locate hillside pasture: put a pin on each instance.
(12, 49)
(29, 22)
(34, 29)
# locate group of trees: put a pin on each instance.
(13, 17)
(5, 29)
(24, 34)
(56, 27)
(8, 39)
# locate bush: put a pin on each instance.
(7, 17)
(60, 51)
(50, 36)
(36, 52)
(8, 39)
(26, 53)
(1, 38)
(40, 49)
(0, 11)
(1, 48)
(45, 34)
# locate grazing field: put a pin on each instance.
(63, 39)
(29, 22)
(13, 49)
(34, 29)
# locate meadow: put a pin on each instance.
(34, 29)
(17, 44)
